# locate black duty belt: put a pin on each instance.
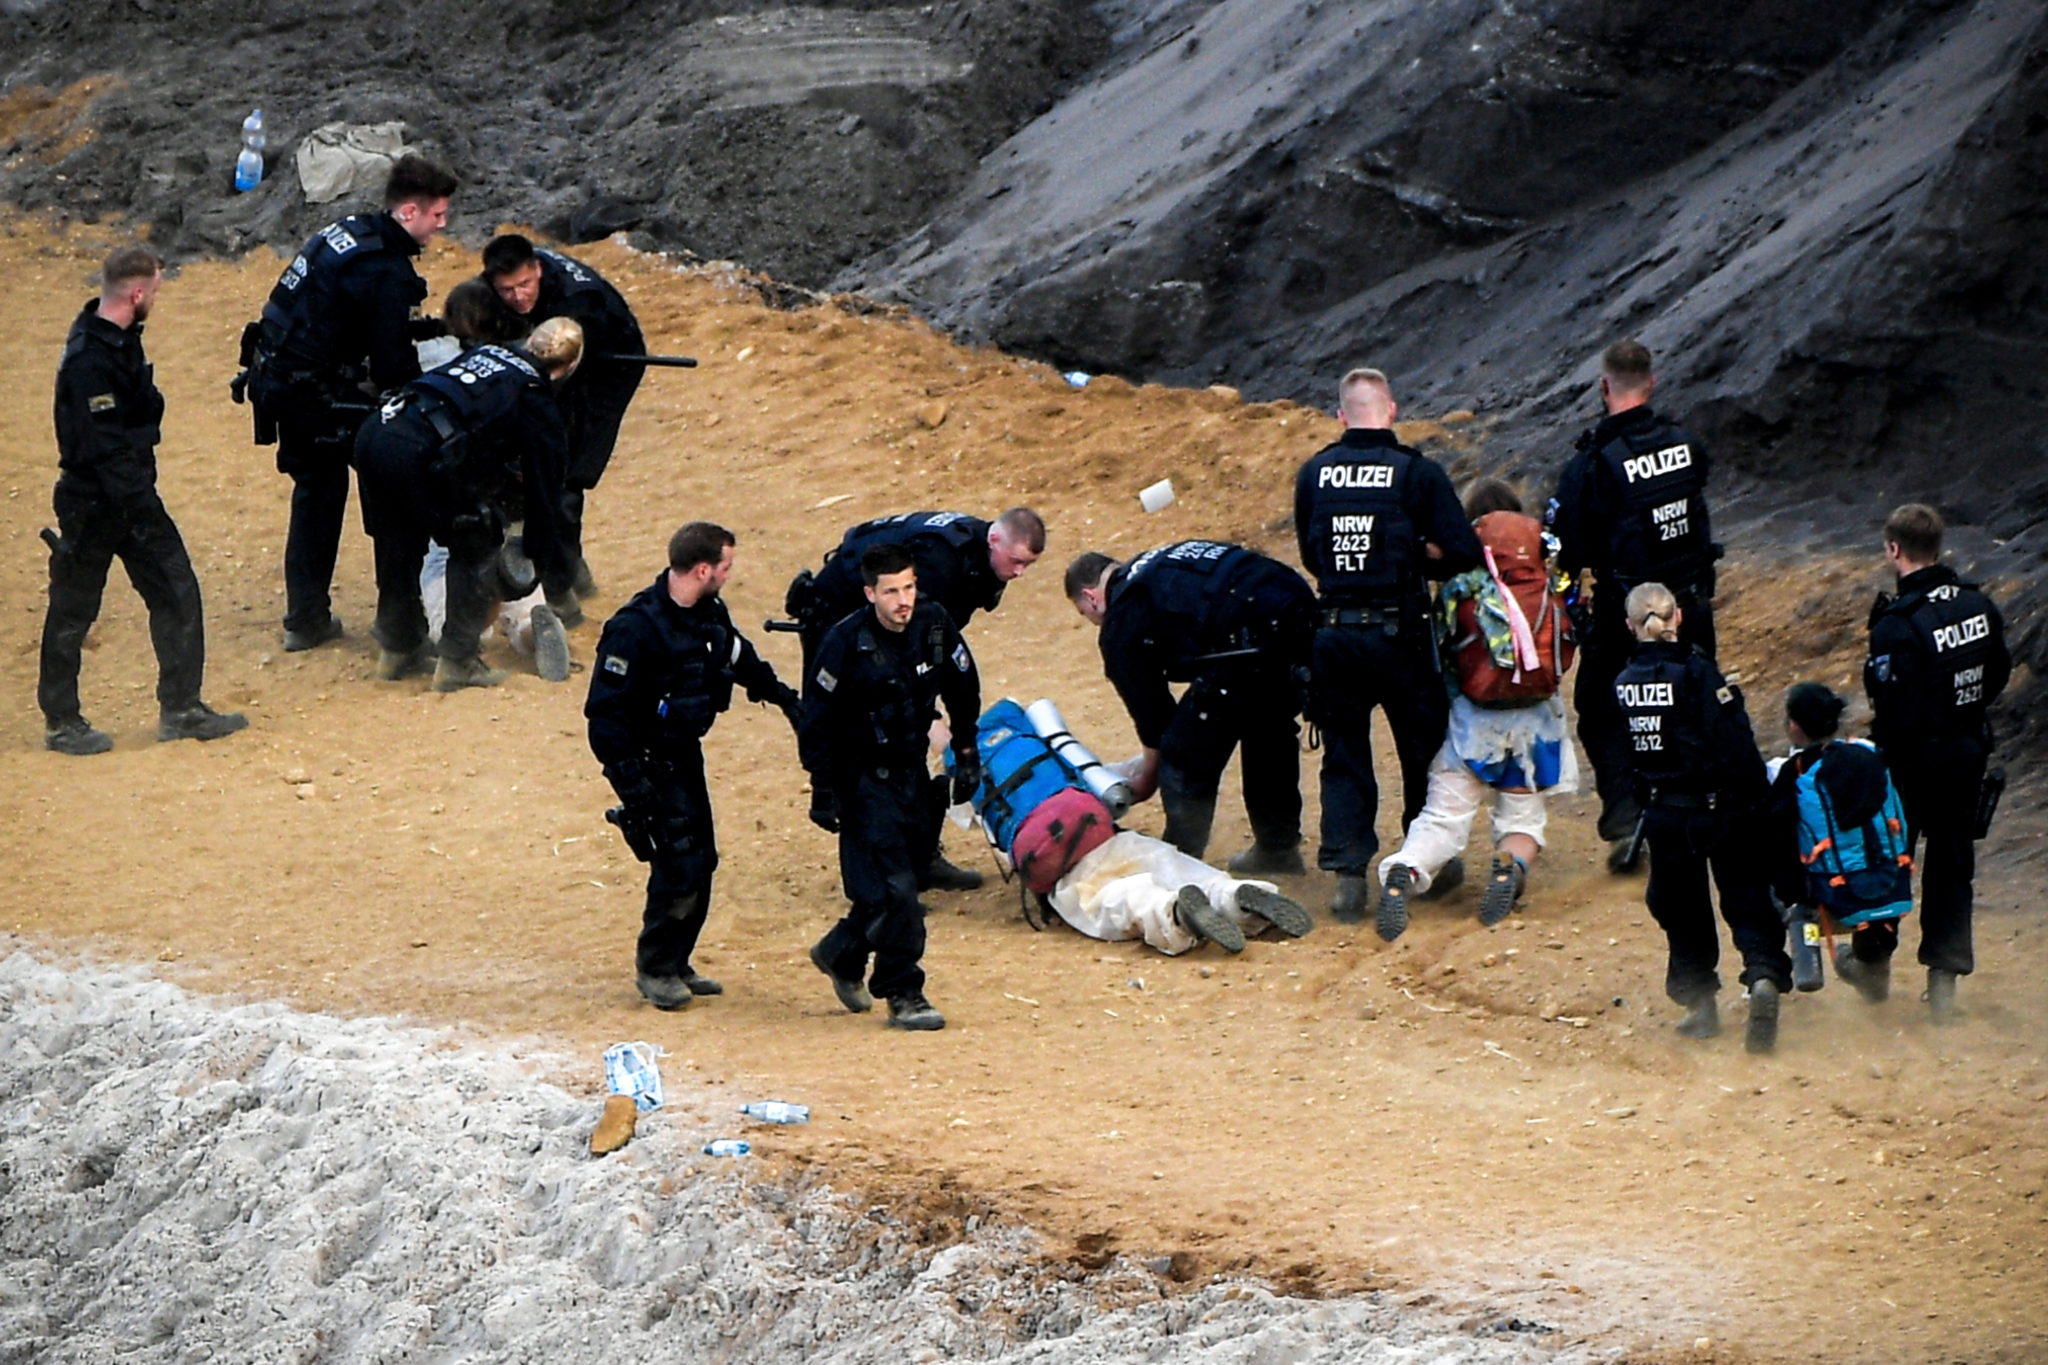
(1671, 800)
(1383, 617)
(438, 417)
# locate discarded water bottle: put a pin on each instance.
(777, 1111)
(1077, 378)
(727, 1147)
(249, 165)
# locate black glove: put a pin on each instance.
(425, 329)
(790, 703)
(966, 776)
(824, 809)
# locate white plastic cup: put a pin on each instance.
(1156, 496)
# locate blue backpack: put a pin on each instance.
(1861, 873)
(1019, 772)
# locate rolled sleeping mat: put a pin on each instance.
(1115, 792)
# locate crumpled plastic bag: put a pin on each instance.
(348, 160)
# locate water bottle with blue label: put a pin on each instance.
(727, 1147)
(629, 1069)
(777, 1111)
(249, 165)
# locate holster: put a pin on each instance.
(1988, 793)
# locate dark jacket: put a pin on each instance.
(1631, 516)
(872, 694)
(949, 549)
(344, 307)
(1689, 732)
(108, 415)
(1938, 659)
(1363, 509)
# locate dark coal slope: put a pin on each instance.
(1824, 219)
(794, 138)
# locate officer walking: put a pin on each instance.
(870, 696)
(963, 564)
(537, 285)
(450, 457)
(337, 331)
(108, 423)
(1631, 507)
(1375, 521)
(1938, 659)
(1236, 627)
(1704, 794)
(666, 665)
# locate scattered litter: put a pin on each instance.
(615, 1125)
(1078, 378)
(727, 1147)
(1021, 999)
(1154, 497)
(630, 1069)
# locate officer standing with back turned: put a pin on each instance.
(1630, 506)
(337, 331)
(1938, 659)
(1375, 521)
(666, 666)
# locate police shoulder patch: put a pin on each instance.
(827, 681)
(100, 402)
(1724, 695)
(961, 659)
(613, 663)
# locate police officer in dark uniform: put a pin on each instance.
(450, 457)
(666, 665)
(1375, 521)
(870, 696)
(963, 564)
(1631, 507)
(337, 331)
(1705, 797)
(108, 413)
(1938, 659)
(537, 285)
(1234, 626)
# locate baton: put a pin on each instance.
(784, 627)
(673, 362)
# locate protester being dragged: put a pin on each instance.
(1842, 859)
(1507, 645)
(1702, 788)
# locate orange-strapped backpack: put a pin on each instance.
(1511, 642)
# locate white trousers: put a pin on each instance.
(1440, 832)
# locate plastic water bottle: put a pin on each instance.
(249, 165)
(777, 1111)
(727, 1147)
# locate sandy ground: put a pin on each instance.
(1498, 1122)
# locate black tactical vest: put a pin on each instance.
(1661, 534)
(1953, 621)
(1361, 531)
(900, 688)
(697, 684)
(1662, 701)
(954, 529)
(297, 330)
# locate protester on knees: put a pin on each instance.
(1703, 790)
(1507, 646)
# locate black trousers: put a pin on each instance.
(882, 827)
(1357, 668)
(315, 454)
(1684, 848)
(403, 510)
(1240, 708)
(1603, 730)
(593, 434)
(1940, 795)
(147, 543)
(679, 880)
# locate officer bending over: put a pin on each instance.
(538, 284)
(1234, 626)
(108, 422)
(963, 564)
(1938, 659)
(337, 331)
(666, 665)
(451, 457)
(1631, 507)
(1376, 521)
(870, 696)
(1704, 794)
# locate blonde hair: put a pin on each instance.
(1652, 612)
(557, 344)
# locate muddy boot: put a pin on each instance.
(567, 609)
(1201, 918)
(1503, 889)
(1353, 893)
(1872, 980)
(198, 721)
(298, 641)
(1391, 916)
(550, 645)
(77, 738)
(583, 585)
(1448, 879)
(942, 875)
(915, 1013)
(1275, 909)
(1762, 1033)
(700, 984)
(852, 993)
(1702, 1019)
(452, 675)
(1941, 995)
(664, 992)
(1261, 861)
(393, 666)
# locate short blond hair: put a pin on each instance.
(557, 344)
